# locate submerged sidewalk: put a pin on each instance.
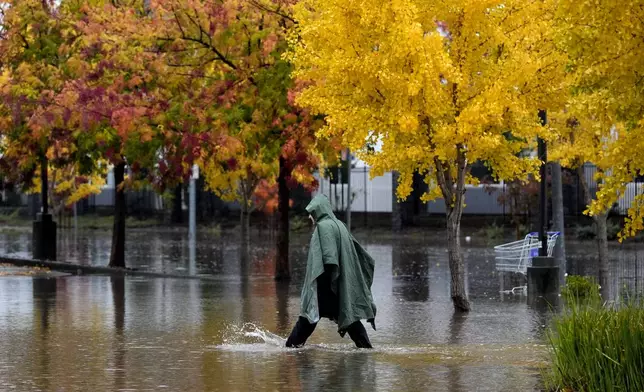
(7, 269)
(24, 266)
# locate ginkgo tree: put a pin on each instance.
(602, 40)
(439, 84)
(583, 139)
(602, 123)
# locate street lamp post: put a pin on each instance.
(44, 228)
(543, 274)
(543, 193)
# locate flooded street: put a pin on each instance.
(79, 333)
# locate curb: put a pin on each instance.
(78, 269)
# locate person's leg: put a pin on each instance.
(301, 332)
(358, 334)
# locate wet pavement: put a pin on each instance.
(79, 333)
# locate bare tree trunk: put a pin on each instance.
(282, 271)
(453, 194)
(117, 256)
(558, 218)
(242, 222)
(602, 251)
(396, 210)
(601, 235)
(456, 266)
(247, 222)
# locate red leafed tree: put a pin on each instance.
(255, 133)
(136, 113)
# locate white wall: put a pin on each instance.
(376, 191)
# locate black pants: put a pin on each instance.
(303, 329)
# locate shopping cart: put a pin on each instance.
(517, 256)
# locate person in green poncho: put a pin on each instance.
(337, 285)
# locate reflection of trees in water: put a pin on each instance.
(216, 319)
(456, 324)
(281, 304)
(543, 308)
(119, 348)
(344, 371)
(410, 269)
(245, 295)
(44, 297)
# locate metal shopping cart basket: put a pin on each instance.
(517, 256)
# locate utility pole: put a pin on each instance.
(192, 220)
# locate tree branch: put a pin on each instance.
(274, 11)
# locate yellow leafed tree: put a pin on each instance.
(583, 139)
(603, 40)
(67, 187)
(440, 84)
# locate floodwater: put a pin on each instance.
(79, 333)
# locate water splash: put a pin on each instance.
(251, 330)
(251, 338)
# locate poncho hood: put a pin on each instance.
(320, 208)
(349, 266)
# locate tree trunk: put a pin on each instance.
(396, 208)
(456, 265)
(282, 263)
(601, 235)
(245, 222)
(177, 201)
(453, 191)
(602, 251)
(117, 256)
(558, 218)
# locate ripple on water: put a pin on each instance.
(266, 342)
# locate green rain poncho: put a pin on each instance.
(349, 271)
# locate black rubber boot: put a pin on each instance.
(301, 332)
(358, 334)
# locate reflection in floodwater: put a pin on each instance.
(108, 333)
(410, 267)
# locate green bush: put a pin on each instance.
(588, 232)
(580, 289)
(492, 233)
(584, 233)
(595, 348)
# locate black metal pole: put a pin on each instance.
(543, 205)
(365, 195)
(44, 184)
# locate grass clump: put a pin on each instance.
(595, 347)
(581, 289)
